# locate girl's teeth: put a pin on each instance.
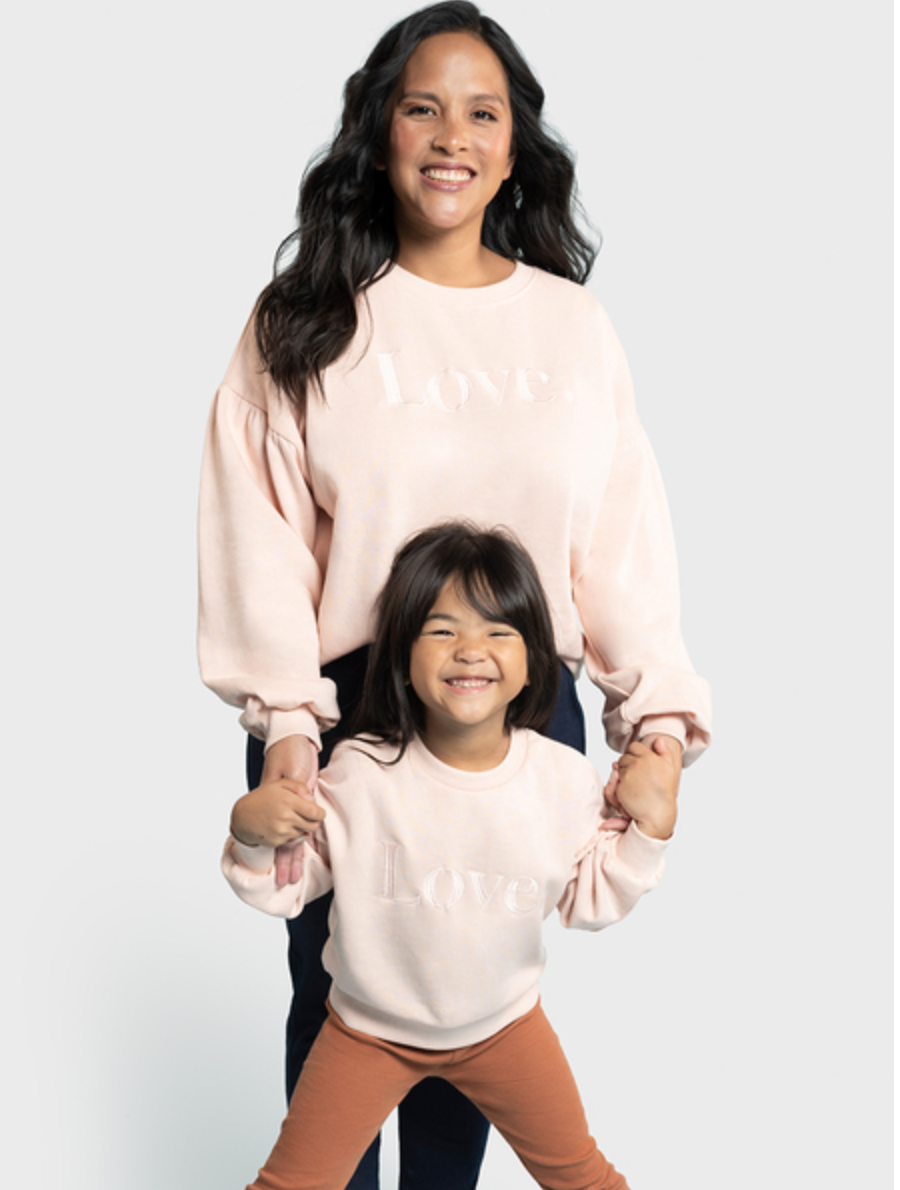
(448, 175)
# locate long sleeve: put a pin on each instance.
(251, 873)
(260, 579)
(610, 876)
(627, 595)
(509, 406)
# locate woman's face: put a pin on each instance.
(449, 137)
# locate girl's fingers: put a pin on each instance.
(618, 823)
(296, 864)
(288, 863)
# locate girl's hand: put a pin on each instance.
(275, 813)
(646, 786)
(296, 758)
(673, 748)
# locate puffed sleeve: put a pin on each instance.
(610, 876)
(260, 579)
(251, 873)
(627, 595)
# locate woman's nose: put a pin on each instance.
(450, 136)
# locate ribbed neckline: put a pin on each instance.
(428, 764)
(446, 295)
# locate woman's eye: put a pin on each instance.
(485, 116)
(419, 110)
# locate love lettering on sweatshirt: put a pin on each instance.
(445, 888)
(453, 388)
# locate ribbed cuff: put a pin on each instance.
(257, 859)
(297, 722)
(673, 725)
(641, 852)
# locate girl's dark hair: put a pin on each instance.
(345, 236)
(495, 576)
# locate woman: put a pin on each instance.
(430, 353)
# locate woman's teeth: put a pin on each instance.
(447, 175)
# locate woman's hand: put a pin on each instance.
(294, 758)
(275, 813)
(645, 785)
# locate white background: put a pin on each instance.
(735, 1033)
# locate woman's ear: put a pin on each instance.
(380, 153)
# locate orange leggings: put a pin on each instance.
(519, 1078)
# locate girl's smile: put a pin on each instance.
(466, 670)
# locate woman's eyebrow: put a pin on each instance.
(419, 95)
(488, 97)
(484, 97)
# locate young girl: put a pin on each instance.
(448, 831)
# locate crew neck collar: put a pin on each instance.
(449, 295)
(426, 762)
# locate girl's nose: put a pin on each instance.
(469, 651)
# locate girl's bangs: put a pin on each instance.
(478, 592)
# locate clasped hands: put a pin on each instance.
(643, 787)
(280, 813)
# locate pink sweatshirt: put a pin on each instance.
(509, 405)
(442, 879)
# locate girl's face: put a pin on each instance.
(466, 670)
(449, 137)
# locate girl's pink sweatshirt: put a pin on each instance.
(442, 879)
(508, 405)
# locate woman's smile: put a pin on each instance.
(445, 177)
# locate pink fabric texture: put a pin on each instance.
(443, 878)
(508, 405)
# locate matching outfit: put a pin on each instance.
(509, 405)
(442, 879)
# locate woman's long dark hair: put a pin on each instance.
(345, 235)
(495, 576)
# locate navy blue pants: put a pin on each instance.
(442, 1136)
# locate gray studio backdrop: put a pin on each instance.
(734, 1033)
